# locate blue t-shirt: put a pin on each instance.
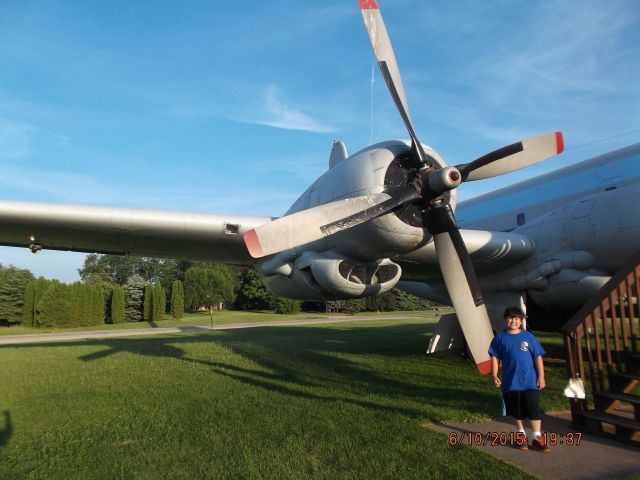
(517, 353)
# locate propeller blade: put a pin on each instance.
(462, 284)
(383, 51)
(513, 157)
(318, 222)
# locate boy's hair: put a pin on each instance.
(514, 312)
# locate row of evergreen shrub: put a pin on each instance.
(50, 303)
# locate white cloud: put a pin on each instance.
(269, 109)
(286, 116)
(275, 112)
(563, 52)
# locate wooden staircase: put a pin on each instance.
(602, 341)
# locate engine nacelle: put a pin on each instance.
(323, 276)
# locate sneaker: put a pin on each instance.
(521, 443)
(540, 445)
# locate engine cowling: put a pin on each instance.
(323, 276)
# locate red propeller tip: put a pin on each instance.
(559, 142)
(368, 5)
(253, 244)
(485, 367)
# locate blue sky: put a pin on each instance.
(233, 106)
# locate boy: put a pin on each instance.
(522, 376)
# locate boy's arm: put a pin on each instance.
(540, 369)
(494, 372)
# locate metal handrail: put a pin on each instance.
(604, 328)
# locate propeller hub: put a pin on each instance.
(442, 180)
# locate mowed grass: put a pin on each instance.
(347, 400)
(192, 318)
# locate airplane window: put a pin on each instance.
(608, 189)
(520, 219)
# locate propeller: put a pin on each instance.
(426, 189)
(315, 223)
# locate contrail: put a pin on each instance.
(371, 101)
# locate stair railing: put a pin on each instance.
(603, 330)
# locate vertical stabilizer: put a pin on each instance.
(338, 153)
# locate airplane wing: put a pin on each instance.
(127, 231)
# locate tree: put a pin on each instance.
(13, 284)
(118, 268)
(93, 270)
(159, 302)
(208, 285)
(117, 305)
(177, 300)
(111, 268)
(133, 295)
(147, 313)
(253, 295)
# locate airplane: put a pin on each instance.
(386, 216)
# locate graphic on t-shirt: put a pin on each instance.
(524, 346)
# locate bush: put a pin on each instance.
(97, 305)
(381, 303)
(159, 302)
(406, 301)
(177, 300)
(350, 307)
(56, 306)
(133, 295)
(117, 305)
(51, 303)
(32, 296)
(147, 313)
(285, 305)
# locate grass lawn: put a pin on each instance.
(195, 318)
(225, 317)
(346, 400)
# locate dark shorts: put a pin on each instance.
(523, 404)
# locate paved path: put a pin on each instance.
(595, 458)
(60, 337)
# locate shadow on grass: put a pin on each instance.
(352, 364)
(7, 430)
